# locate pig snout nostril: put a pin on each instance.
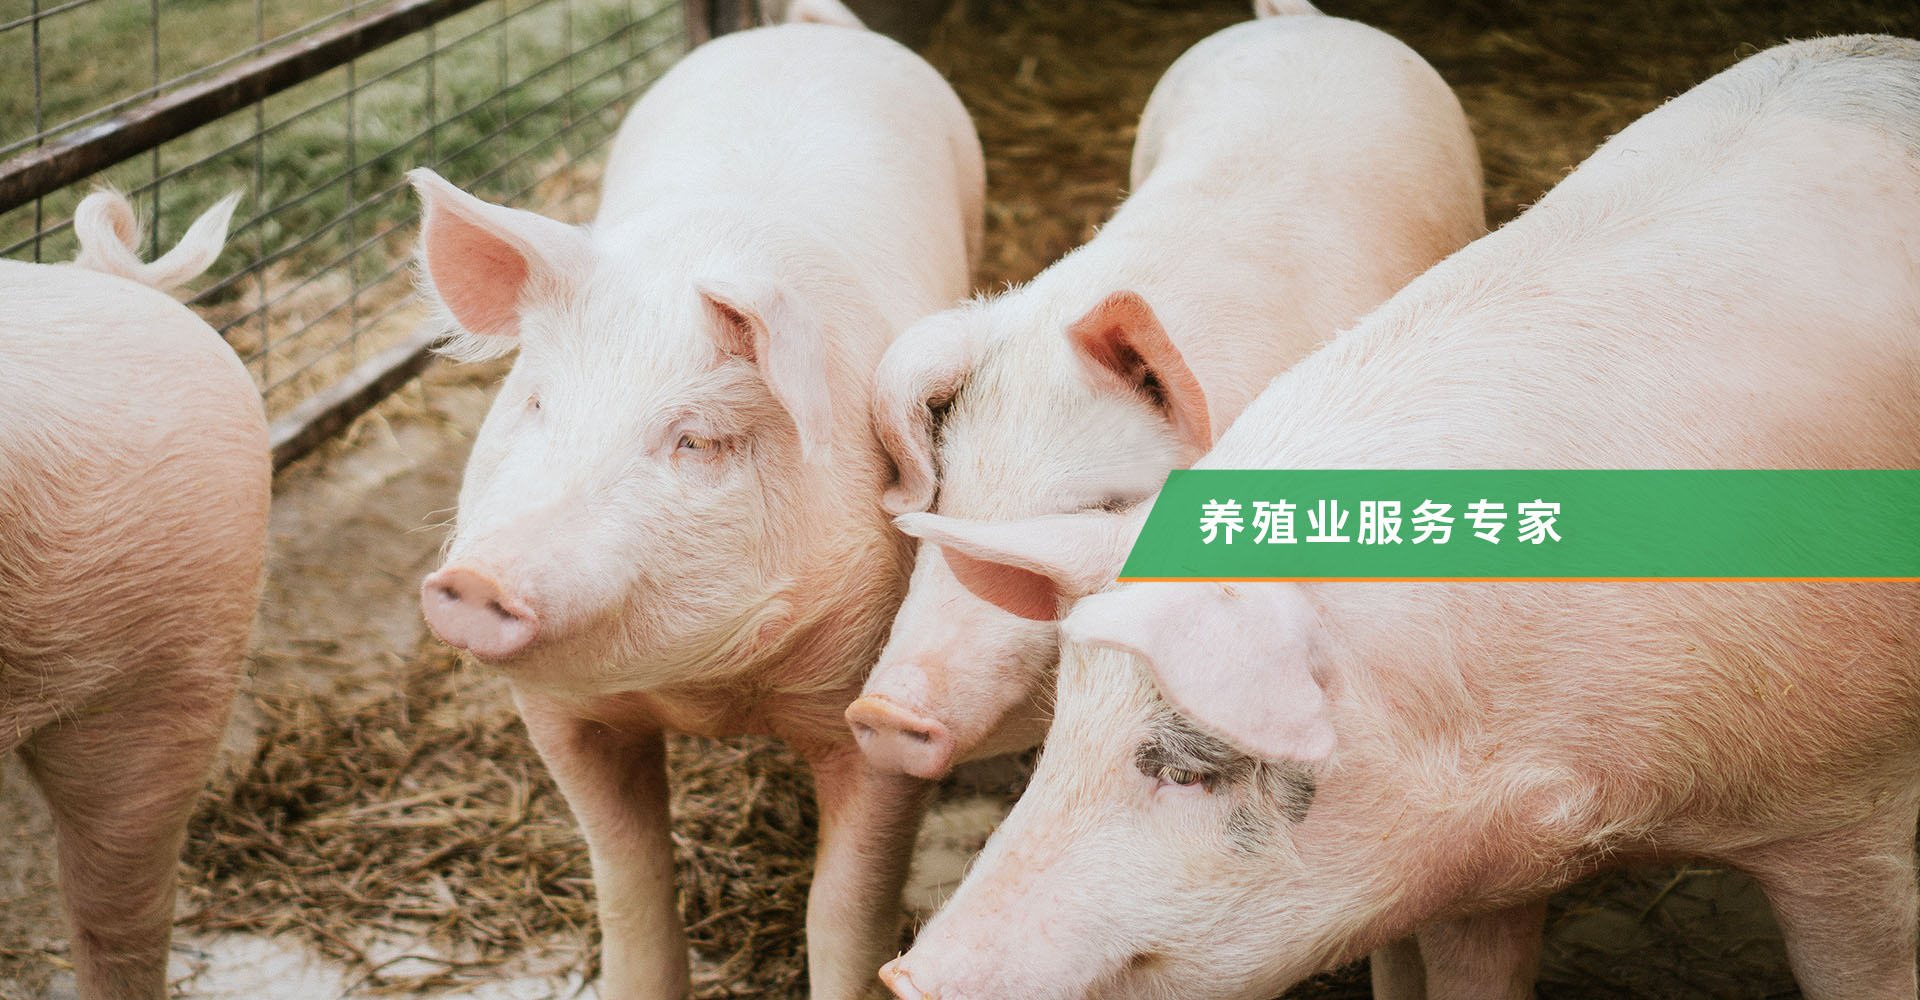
(900, 740)
(899, 982)
(469, 609)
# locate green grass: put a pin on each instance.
(313, 279)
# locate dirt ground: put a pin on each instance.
(366, 759)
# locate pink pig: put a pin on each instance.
(1290, 173)
(134, 477)
(1248, 783)
(671, 516)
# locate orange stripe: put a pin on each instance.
(1517, 579)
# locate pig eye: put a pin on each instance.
(1168, 773)
(698, 445)
(1175, 753)
(1184, 777)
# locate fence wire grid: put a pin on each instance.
(317, 108)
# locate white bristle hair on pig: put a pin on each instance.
(1247, 783)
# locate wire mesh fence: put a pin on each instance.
(315, 109)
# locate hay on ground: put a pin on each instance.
(422, 812)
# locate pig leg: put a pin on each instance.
(615, 781)
(1847, 905)
(1488, 955)
(1495, 954)
(1396, 972)
(868, 820)
(120, 780)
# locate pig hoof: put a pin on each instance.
(895, 739)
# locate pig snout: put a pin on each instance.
(467, 608)
(900, 982)
(950, 969)
(899, 739)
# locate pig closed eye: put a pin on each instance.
(702, 446)
(1170, 769)
(1114, 504)
(1184, 777)
(1177, 754)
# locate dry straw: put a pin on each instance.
(421, 812)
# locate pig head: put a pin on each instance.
(965, 677)
(1143, 831)
(658, 494)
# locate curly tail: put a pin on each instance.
(110, 239)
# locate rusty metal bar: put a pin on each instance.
(329, 411)
(88, 119)
(75, 156)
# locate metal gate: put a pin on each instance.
(315, 109)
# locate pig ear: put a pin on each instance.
(920, 373)
(761, 322)
(484, 261)
(1122, 338)
(1034, 568)
(1235, 658)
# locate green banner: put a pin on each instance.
(1587, 524)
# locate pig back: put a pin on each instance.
(1728, 283)
(1733, 284)
(835, 135)
(1290, 174)
(134, 477)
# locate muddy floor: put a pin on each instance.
(380, 827)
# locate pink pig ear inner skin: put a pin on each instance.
(1123, 336)
(786, 344)
(736, 329)
(1017, 591)
(478, 275)
(1033, 568)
